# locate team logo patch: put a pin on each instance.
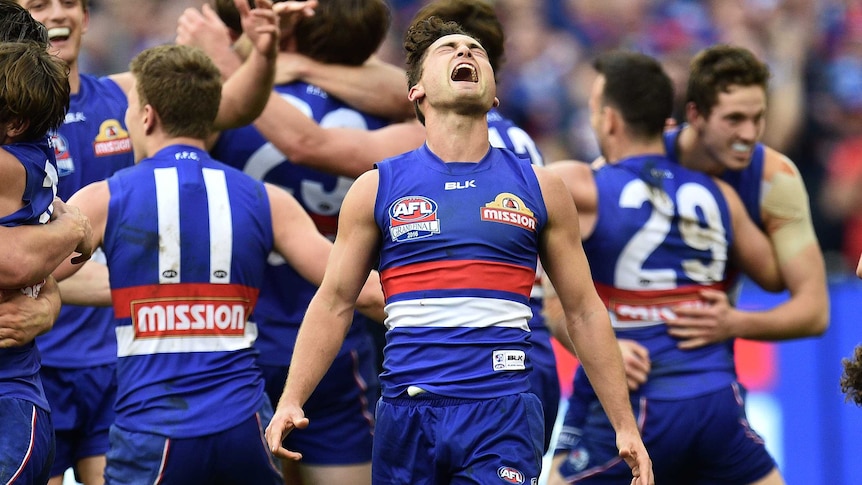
(509, 209)
(578, 459)
(413, 217)
(112, 139)
(510, 475)
(65, 162)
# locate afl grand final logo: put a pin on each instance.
(413, 217)
(509, 209)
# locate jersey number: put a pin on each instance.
(700, 227)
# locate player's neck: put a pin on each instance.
(158, 142)
(457, 138)
(74, 78)
(692, 154)
(637, 149)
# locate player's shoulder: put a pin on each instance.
(775, 162)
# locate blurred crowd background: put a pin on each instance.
(813, 48)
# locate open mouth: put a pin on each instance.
(59, 33)
(465, 72)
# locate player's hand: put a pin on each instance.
(23, 318)
(699, 325)
(286, 419)
(632, 450)
(260, 25)
(202, 28)
(72, 215)
(290, 13)
(636, 362)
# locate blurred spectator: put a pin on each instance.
(813, 48)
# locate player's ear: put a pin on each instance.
(15, 128)
(150, 117)
(496, 102)
(416, 93)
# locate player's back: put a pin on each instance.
(186, 242)
(662, 234)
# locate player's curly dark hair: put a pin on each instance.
(851, 379)
(419, 37)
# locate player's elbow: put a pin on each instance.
(819, 322)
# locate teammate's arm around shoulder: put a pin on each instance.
(587, 321)
(750, 249)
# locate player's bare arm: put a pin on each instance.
(330, 312)
(375, 87)
(307, 250)
(92, 200)
(587, 322)
(32, 252)
(340, 151)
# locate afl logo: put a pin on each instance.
(510, 475)
(413, 217)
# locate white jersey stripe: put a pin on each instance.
(168, 202)
(221, 225)
(127, 345)
(458, 312)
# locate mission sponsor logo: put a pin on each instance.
(413, 217)
(630, 311)
(112, 139)
(509, 209)
(189, 318)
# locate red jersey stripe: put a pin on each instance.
(449, 275)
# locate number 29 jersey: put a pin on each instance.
(662, 234)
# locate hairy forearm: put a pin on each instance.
(30, 253)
